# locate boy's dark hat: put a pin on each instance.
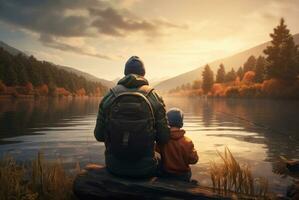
(175, 117)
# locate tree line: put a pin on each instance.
(277, 69)
(22, 71)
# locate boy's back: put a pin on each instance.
(178, 153)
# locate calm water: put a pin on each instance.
(256, 131)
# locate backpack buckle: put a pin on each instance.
(126, 138)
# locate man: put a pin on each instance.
(131, 119)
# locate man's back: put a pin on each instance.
(145, 166)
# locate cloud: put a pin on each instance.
(112, 22)
(44, 17)
(59, 19)
(72, 46)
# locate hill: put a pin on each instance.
(87, 76)
(234, 61)
(23, 75)
(13, 51)
(10, 49)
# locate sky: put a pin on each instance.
(170, 36)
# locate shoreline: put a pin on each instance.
(7, 97)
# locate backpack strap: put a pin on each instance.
(117, 90)
(144, 89)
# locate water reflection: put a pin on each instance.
(60, 128)
(256, 131)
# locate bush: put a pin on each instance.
(29, 88)
(248, 77)
(42, 90)
(2, 87)
(251, 91)
(81, 92)
(218, 90)
(281, 88)
(62, 92)
(232, 91)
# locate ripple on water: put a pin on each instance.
(254, 137)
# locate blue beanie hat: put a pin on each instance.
(175, 117)
(134, 66)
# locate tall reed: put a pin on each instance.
(38, 180)
(231, 176)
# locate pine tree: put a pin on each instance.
(207, 79)
(196, 84)
(220, 77)
(282, 54)
(249, 65)
(10, 76)
(231, 76)
(240, 73)
(2, 70)
(260, 69)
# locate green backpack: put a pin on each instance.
(131, 123)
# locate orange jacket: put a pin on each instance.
(178, 153)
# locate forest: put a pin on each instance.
(273, 75)
(23, 76)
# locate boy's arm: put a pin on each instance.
(193, 157)
(157, 148)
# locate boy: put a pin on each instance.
(179, 152)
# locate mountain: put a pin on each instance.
(155, 81)
(11, 50)
(234, 61)
(87, 76)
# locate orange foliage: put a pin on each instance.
(238, 81)
(28, 88)
(98, 92)
(2, 87)
(281, 88)
(272, 88)
(248, 77)
(81, 92)
(218, 90)
(42, 90)
(60, 91)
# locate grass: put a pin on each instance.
(38, 180)
(45, 180)
(231, 176)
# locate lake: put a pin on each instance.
(256, 131)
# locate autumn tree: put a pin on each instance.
(207, 79)
(196, 84)
(282, 54)
(260, 70)
(249, 65)
(220, 77)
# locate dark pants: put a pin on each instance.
(181, 177)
